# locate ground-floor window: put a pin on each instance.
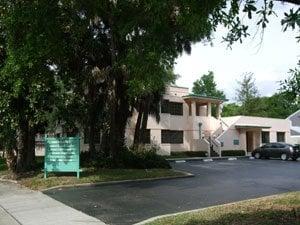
(280, 136)
(265, 137)
(171, 136)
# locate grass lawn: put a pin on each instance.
(36, 181)
(281, 209)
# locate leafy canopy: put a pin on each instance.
(207, 86)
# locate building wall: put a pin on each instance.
(192, 141)
(276, 125)
(295, 119)
(187, 123)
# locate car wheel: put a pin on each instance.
(257, 155)
(294, 158)
(284, 156)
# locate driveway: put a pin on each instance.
(214, 183)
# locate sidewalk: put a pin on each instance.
(22, 206)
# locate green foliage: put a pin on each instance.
(207, 86)
(279, 105)
(247, 89)
(2, 164)
(231, 109)
(233, 153)
(291, 85)
(84, 62)
(137, 158)
(292, 20)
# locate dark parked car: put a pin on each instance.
(277, 150)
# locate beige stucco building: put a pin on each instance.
(188, 124)
(194, 123)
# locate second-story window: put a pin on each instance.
(176, 108)
(165, 106)
(173, 108)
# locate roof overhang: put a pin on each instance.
(251, 126)
(203, 99)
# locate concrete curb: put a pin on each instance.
(184, 175)
(179, 213)
(199, 210)
(207, 159)
(8, 180)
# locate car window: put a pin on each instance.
(267, 146)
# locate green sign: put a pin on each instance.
(62, 155)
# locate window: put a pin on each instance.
(86, 136)
(172, 136)
(265, 137)
(236, 142)
(174, 108)
(280, 136)
(165, 106)
(269, 146)
(146, 137)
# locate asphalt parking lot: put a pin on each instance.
(214, 183)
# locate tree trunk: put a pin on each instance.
(145, 120)
(11, 159)
(22, 144)
(136, 139)
(117, 97)
(30, 151)
(91, 120)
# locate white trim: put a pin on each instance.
(292, 114)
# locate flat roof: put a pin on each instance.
(204, 97)
(249, 126)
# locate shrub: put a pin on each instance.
(2, 164)
(233, 153)
(188, 154)
(136, 158)
(143, 157)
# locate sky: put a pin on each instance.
(269, 59)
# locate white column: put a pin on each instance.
(209, 109)
(218, 111)
(193, 108)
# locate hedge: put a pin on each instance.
(233, 153)
(183, 154)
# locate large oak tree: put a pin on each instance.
(98, 55)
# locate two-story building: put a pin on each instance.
(188, 124)
(191, 122)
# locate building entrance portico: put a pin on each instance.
(252, 135)
(202, 105)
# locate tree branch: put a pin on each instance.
(296, 2)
